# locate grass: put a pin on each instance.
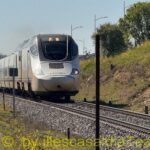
(129, 76)
(138, 55)
(23, 134)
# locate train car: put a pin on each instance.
(47, 65)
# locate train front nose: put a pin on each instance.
(66, 83)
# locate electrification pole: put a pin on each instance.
(97, 51)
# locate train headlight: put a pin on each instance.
(75, 71)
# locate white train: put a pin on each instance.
(47, 65)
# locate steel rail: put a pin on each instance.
(124, 124)
(116, 122)
(120, 111)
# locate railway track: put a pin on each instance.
(114, 121)
(110, 120)
(123, 115)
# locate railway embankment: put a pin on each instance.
(21, 134)
(54, 118)
(60, 118)
(81, 124)
(125, 78)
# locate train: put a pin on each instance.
(47, 64)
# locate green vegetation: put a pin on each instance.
(124, 77)
(112, 39)
(24, 134)
(136, 22)
(134, 26)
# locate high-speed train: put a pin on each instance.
(48, 64)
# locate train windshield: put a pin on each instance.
(54, 50)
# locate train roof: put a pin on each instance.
(41, 36)
(58, 35)
(26, 42)
(47, 37)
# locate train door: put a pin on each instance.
(20, 66)
(1, 76)
(3, 69)
(4, 73)
(24, 70)
(16, 66)
(29, 72)
(28, 66)
(11, 64)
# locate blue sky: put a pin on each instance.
(21, 19)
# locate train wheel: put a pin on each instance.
(30, 93)
(18, 88)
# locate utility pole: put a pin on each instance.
(71, 30)
(96, 19)
(74, 28)
(4, 98)
(95, 23)
(124, 7)
(97, 51)
(13, 72)
(14, 106)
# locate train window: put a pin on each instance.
(34, 50)
(55, 50)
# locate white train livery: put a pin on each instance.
(47, 64)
